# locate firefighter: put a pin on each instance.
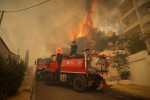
(59, 57)
(73, 48)
(59, 61)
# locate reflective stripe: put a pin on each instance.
(74, 44)
(72, 72)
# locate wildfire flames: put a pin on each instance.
(85, 26)
(60, 49)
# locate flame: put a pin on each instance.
(85, 26)
(59, 48)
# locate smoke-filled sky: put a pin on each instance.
(43, 28)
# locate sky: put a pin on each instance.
(43, 28)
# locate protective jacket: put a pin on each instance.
(73, 48)
(59, 58)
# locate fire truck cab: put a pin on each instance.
(40, 67)
(80, 72)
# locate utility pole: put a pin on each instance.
(1, 16)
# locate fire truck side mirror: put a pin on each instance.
(35, 62)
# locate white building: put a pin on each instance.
(135, 16)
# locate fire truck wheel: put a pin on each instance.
(103, 81)
(48, 79)
(79, 84)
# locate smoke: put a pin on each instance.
(88, 5)
(106, 14)
(42, 29)
(57, 24)
(65, 15)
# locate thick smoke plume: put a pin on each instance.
(96, 14)
(107, 15)
(48, 26)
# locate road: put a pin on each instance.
(65, 92)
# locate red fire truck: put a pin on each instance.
(79, 72)
(40, 67)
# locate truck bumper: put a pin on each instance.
(103, 86)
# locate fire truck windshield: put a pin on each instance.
(42, 62)
(53, 58)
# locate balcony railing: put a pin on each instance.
(126, 7)
(145, 19)
(141, 2)
(130, 27)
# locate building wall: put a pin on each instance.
(139, 64)
(135, 16)
(3, 50)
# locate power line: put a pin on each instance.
(36, 49)
(28, 7)
(7, 37)
(32, 49)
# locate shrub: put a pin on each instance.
(120, 62)
(124, 74)
(11, 76)
(135, 43)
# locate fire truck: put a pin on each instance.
(40, 67)
(81, 73)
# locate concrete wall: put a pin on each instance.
(139, 64)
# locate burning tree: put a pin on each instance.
(86, 25)
(86, 33)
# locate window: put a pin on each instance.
(53, 58)
(42, 61)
